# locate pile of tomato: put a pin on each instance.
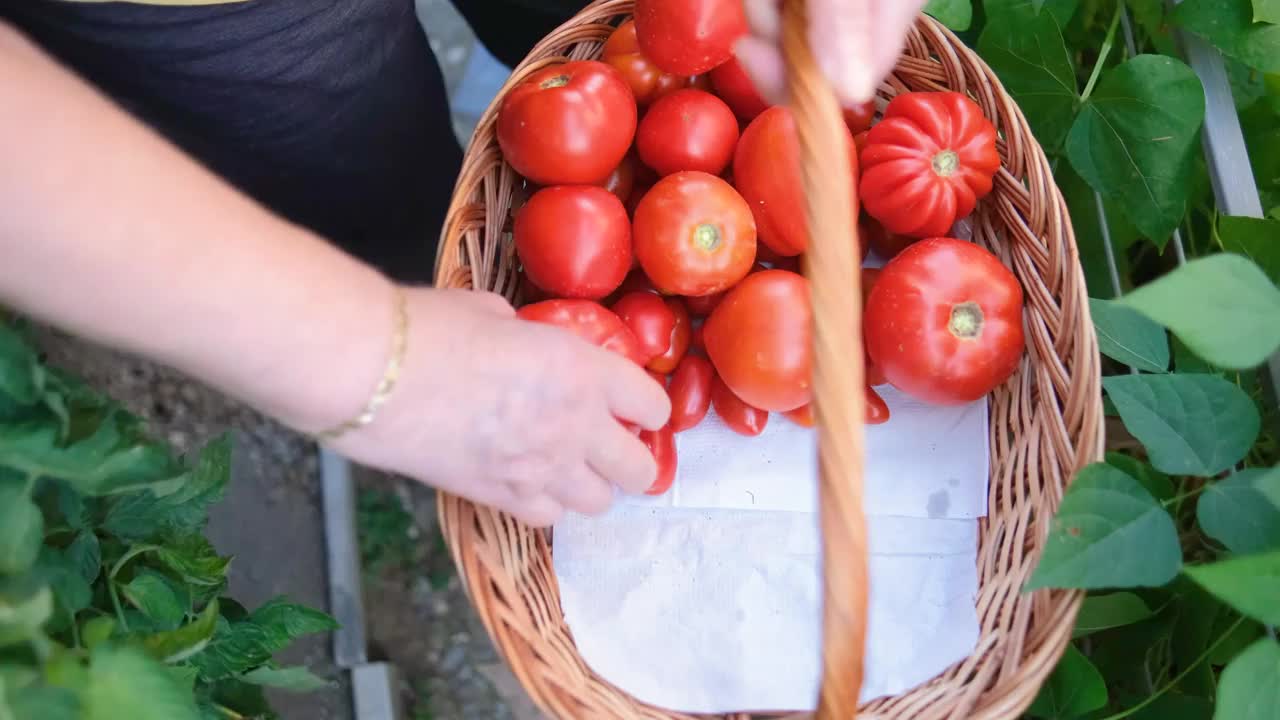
(665, 222)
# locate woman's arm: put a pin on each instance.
(109, 232)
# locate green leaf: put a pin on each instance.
(178, 645)
(1027, 51)
(1109, 532)
(1190, 424)
(1061, 10)
(242, 697)
(1156, 482)
(62, 574)
(155, 598)
(1074, 689)
(241, 646)
(1248, 583)
(296, 679)
(1222, 306)
(1234, 640)
(39, 703)
(1255, 238)
(125, 683)
(181, 505)
(1248, 689)
(1229, 26)
(1266, 11)
(1243, 511)
(1103, 612)
(1127, 336)
(97, 631)
(85, 552)
(18, 374)
(1083, 205)
(194, 560)
(1175, 706)
(22, 612)
(21, 527)
(1135, 138)
(955, 14)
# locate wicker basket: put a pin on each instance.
(1046, 421)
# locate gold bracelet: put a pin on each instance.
(399, 343)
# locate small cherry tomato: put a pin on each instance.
(653, 323)
(738, 415)
(687, 130)
(877, 412)
(574, 241)
(647, 81)
(858, 118)
(688, 37)
(759, 340)
(694, 234)
(622, 180)
(766, 170)
(802, 416)
(944, 321)
(567, 124)
(590, 321)
(927, 163)
(662, 444)
(681, 335)
(735, 87)
(690, 392)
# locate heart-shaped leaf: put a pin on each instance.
(1248, 583)
(1243, 510)
(955, 14)
(1248, 689)
(1135, 138)
(1129, 337)
(1229, 26)
(1190, 424)
(1026, 49)
(1109, 532)
(1255, 238)
(1075, 688)
(1103, 612)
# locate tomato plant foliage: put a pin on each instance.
(112, 601)
(1176, 537)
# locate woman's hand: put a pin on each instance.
(520, 416)
(855, 42)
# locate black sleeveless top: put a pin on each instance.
(332, 113)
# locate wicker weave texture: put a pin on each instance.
(1046, 421)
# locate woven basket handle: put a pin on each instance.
(831, 264)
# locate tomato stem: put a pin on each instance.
(946, 163)
(555, 82)
(706, 237)
(966, 320)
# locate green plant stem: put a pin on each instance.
(227, 712)
(1103, 52)
(1183, 496)
(133, 553)
(115, 601)
(1185, 672)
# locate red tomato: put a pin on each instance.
(688, 37)
(927, 163)
(735, 87)
(590, 321)
(875, 237)
(574, 241)
(659, 378)
(759, 340)
(702, 305)
(858, 118)
(860, 140)
(877, 412)
(681, 336)
(944, 321)
(636, 281)
(647, 82)
(874, 375)
(687, 130)
(694, 234)
(662, 443)
(802, 416)
(621, 181)
(766, 168)
(568, 124)
(690, 392)
(653, 323)
(738, 415)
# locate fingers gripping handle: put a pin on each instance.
(831, 264)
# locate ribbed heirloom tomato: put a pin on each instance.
(568, 124)
(590, 321)
(927, 163)
(688, 37)
(574, 241)
(693, 234)
(766, 170)
(758, 339)
(944, 321)
(687, 130)
(648, 82)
